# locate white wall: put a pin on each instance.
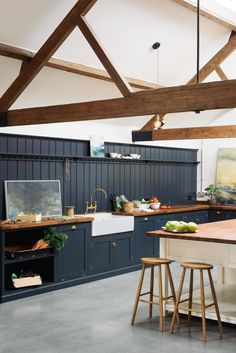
(127, 30)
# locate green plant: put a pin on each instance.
(212, 191)
(55, 238)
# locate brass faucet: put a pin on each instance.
(93, 206)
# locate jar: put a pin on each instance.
(70, 211)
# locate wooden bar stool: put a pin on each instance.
(201, 267)
(153, 261)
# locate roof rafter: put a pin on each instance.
(205, 71)
(120, 81)
(18, 53)
(210, 14)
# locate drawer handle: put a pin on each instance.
(114, 244)
(73, 227)
(146, 219)
(218, 212)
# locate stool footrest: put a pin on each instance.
(148, 302)
(144, 294)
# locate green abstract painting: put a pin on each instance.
(226, 175)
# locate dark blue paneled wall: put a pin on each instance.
(168, 173)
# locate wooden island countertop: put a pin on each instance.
(216, 232)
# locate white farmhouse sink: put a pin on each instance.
(107, 223)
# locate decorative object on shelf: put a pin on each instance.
(97, 148)
(115, 155)
(54, 238)
(212, 191)
(33, 196)
(70, 211)
(33, 217)
(135, 155)
(226, 181)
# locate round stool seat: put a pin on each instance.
(196, 266)
(155, 261)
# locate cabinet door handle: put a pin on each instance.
(73, 227)
(146, 219)
(218, 212)
(114, 244)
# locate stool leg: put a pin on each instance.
(190, 297)
(151, 290)
(177, 301)
(203, 306)
(215, 302)
(138, 294)
(160, 297)
(172, 288)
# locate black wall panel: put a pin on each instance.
(168, 173)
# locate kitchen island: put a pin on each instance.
(214, 243)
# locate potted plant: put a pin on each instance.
(54, 238)
(212, 191)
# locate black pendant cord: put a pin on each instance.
(198, 39)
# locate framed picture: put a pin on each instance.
(97, 148)
(33, 196)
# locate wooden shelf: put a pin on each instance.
(15, 292)
(14, 261)
(18, 156)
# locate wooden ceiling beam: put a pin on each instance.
(63, 30)
(205, 71)
(226, 22)
(64, 65)
(121, 83)
(201, 132)
(220, 73)
(205, 96)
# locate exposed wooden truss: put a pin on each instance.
(220, 73)
(120, 81)
(64, 65)
(205, 96)
(201, 132)
(191, 5)
(206, 70)
(74, 18)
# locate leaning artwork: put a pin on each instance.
(226, 175)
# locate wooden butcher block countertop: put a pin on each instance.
(44, 223)
(180, 208)
(216, 232)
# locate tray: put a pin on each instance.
(25, 252)
(175, 231)
(27, 281)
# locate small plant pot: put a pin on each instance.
(212, 201)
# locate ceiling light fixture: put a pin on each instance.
(198, 46)
(158, 123)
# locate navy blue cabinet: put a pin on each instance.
(144, 246)
(196, 216)
(73, 258)
(217, 215)
(111, 252)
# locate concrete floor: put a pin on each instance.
(94, 318)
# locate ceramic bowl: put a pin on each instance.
(144, 206)
(113, 154)
(135, 156)
(155, 206)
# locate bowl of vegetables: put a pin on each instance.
(142, 205)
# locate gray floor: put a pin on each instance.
(94, 318)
